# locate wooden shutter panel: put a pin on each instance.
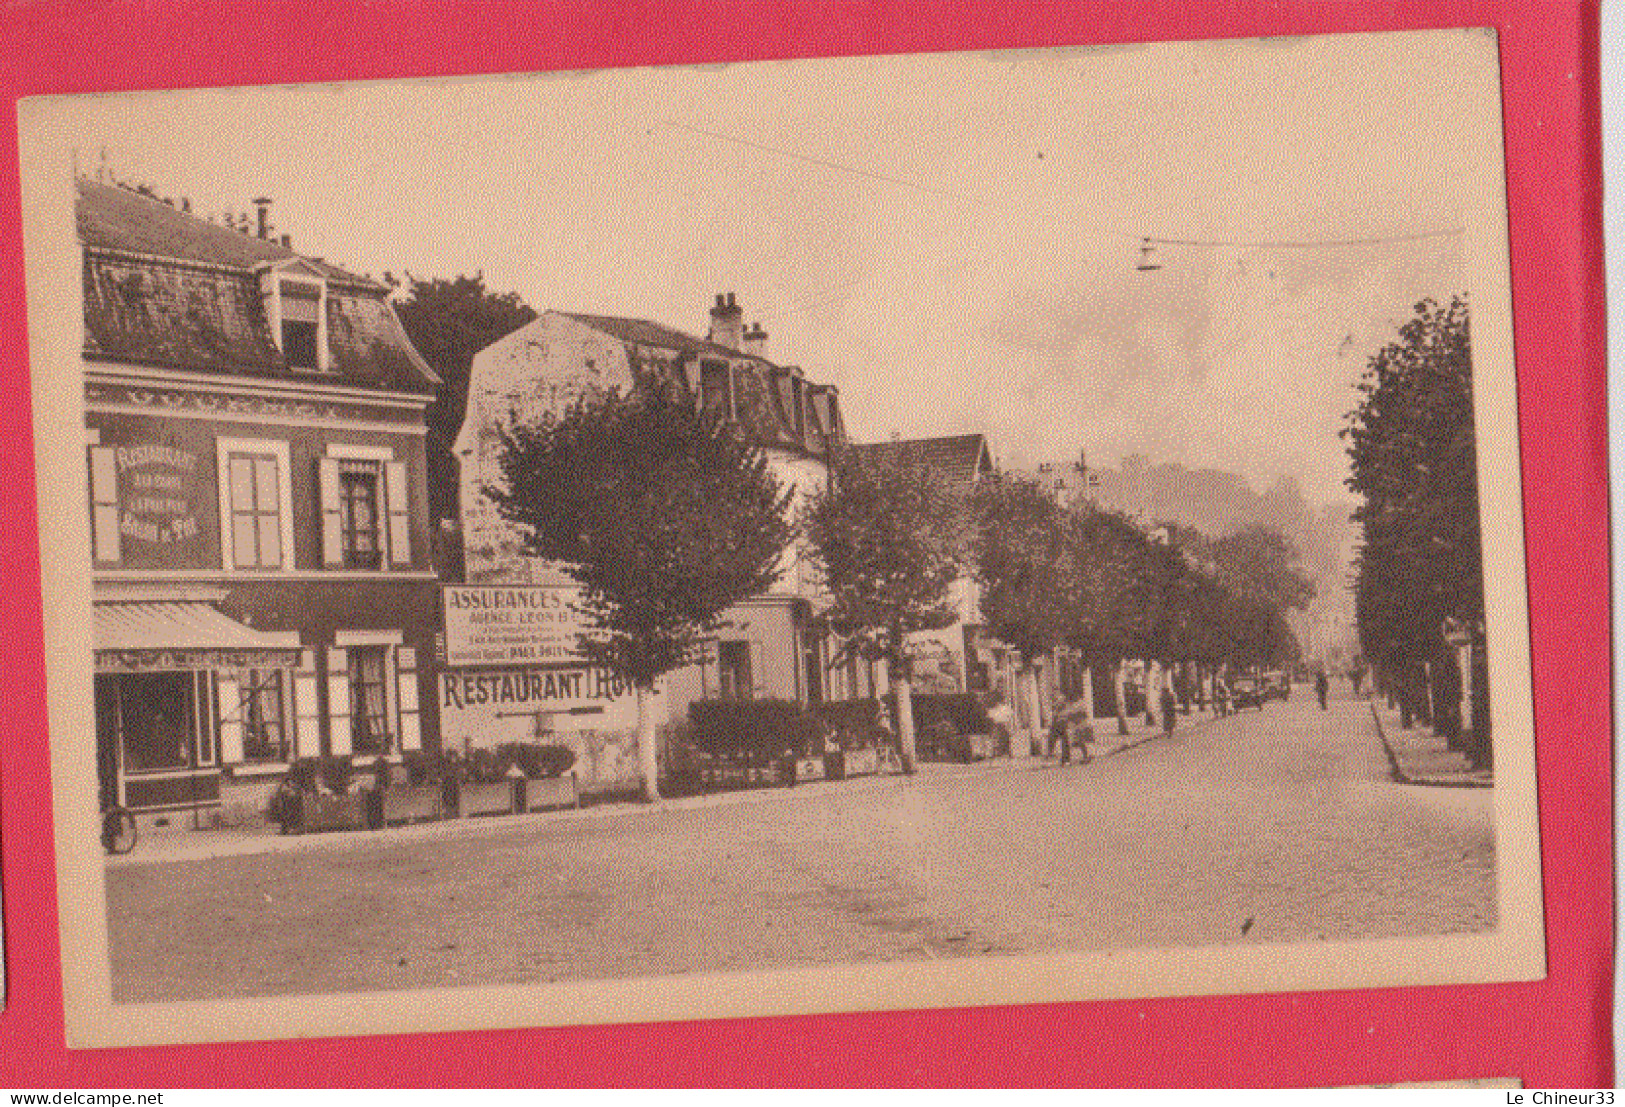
(228, 700)
(104, 509)
(307, 708)
(400, 529)
(406, 698)
(338, 701)
(327, 481)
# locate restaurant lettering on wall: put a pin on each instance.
(158, 483)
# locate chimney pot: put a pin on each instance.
(726, 323)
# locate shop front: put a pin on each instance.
(173, 683)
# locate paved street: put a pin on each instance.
(1286, 818)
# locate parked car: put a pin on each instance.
(1277, 686)
(1248, 692)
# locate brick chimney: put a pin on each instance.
(755, 340)
(727, 322)
(262, 211)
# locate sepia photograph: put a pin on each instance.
(785, 537)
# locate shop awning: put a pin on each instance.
(183, 635)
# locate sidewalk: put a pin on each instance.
(1418, 756)
(184, 844)
(181, 844)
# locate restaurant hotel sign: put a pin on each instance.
(511, 653)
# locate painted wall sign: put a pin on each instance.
(490, 625)
(158, 493)
(532, 689)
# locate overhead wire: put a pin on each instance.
(1116, 232)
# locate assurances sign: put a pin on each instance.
(512, 624)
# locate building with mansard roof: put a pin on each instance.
(255, 479)
(774, 644)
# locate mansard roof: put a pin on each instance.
(765, 398)
(165, 288)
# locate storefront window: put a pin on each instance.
(156, 720)
(367, 715)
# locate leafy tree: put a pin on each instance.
(1112, 606)
(1262, 564)
(889, 538)
(1024, 564)
(1413, 459)
(663, 515)
(449, 321)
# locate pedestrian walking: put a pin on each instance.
(1322, 687)
(1169, 706)
(1003, 718)
(1058, 733)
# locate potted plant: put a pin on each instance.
(316, 795)
(486, 784)
(548, 778)
(412, 791)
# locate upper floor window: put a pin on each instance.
(295, 298)
(363, 536)
(716, 388)
(365, 505)
(300, 317)
(256, 512)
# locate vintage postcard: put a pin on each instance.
(811, 536)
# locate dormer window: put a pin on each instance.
(301, 319)
(295, 298)
(716, 389)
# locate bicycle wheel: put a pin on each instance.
(118, 831)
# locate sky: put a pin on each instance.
(952, 239)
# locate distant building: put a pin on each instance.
(961, 657)
(254, 446)
(774, 645)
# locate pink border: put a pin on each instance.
(1552, 1034)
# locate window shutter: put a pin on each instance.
(400, 529)
(327, 479)
(229, 710)
(104, 509)
(307, 707)
(338, 701)
(406, 697)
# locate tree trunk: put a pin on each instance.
(648, 763)
(1088, 699)
(1483, 747)
(1153, 686)
(1034, 713)
(903, 689)
(1117, 688)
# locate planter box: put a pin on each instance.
(486, 799)
(810, 768)
(864, 762)
(317, 812)
(411, 803)
(547, 792)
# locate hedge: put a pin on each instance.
(760, 727)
